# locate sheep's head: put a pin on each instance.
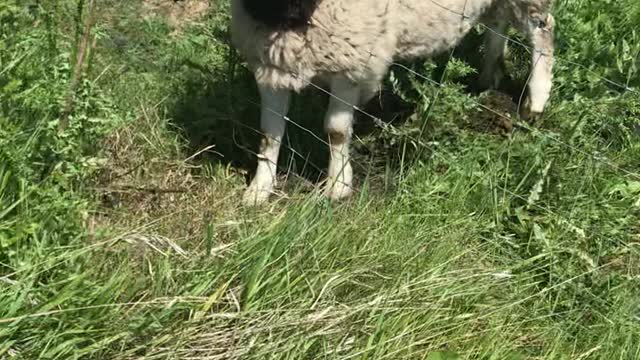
(282, 14)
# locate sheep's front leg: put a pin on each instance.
(540, 83)
(495, 42)
(274, 107)
(339, 126)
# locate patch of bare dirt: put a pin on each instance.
(177, 12)
(497, 114)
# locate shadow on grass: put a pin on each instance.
(223, 111)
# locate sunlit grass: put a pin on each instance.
(123, 237)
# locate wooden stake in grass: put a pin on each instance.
(79, 66)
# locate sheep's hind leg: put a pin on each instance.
(540, 82)
(495, 42)
(274, 107)
(339, 126)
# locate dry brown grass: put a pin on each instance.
(177, 13)
(152, 185)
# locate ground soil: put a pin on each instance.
(177, 12)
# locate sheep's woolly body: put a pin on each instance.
(358, 39)
(349, 44)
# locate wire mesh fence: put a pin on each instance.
(418, 140)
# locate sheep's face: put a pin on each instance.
(282, 14)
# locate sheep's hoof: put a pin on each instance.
(338, 191)
(255, 195)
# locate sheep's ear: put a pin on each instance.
(282, 14)
(302, 11)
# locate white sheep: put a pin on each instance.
(350, 44)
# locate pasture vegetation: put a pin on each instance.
(121, 233)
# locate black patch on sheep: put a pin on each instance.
(282, 14)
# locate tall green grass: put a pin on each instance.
(121, 235)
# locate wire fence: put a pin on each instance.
(441, 84)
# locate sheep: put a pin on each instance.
(350, 45)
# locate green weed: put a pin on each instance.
(473, 235)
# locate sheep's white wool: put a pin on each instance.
(360, 38)
(350, 44)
